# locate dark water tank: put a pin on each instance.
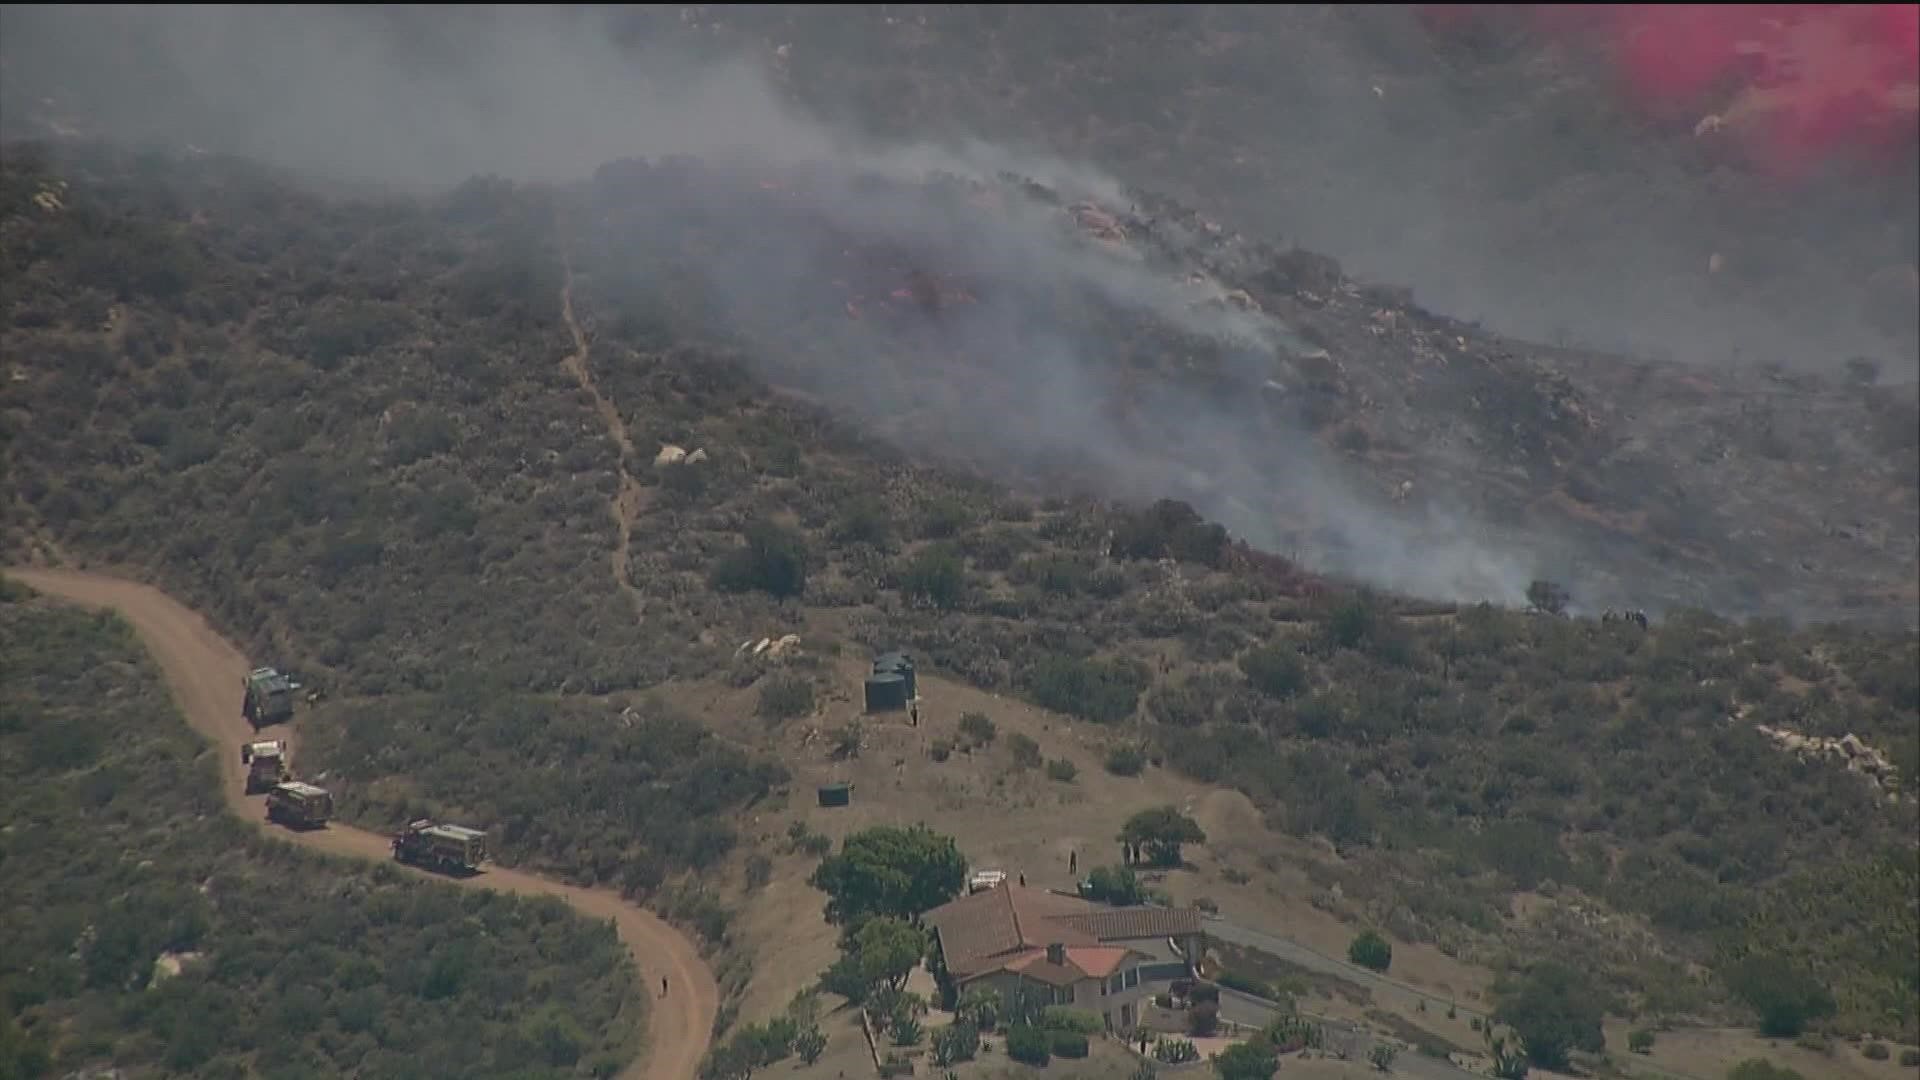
(836, 794)
(895, 663)
(886, 692)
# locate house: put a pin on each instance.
(1069, 951)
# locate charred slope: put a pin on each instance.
(1142, 351)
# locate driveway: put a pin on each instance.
(1386, 991)
(1356, 1040)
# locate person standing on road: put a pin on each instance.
(663, 986)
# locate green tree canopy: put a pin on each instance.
(887, 950)
(1274, 671)
(773, 560)
(1784, 996)
(893, 871)
(1555, 1013)
(1117, 885)
(1161, 831)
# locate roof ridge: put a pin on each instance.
(1013, 914)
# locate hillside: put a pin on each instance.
(516, 475)
(1341, 424)
(135, 910)
(426, 497)
(1137, 355)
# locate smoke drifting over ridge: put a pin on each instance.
(414, 98)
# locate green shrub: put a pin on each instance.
(785, 697)
(1203, 1019)
(1065, 1018)
(957, 1042)
(773, 560)
(1555, 1011)
(904, 1029)
(1069, 1044)
(977, 727)
(1175, 1051)
(1640, 1041)
(1274, 671)
(1785, 996)
(863, 521)
(1370, 950)
(1291, 1031)
(1874, 1051)
(1116, 885)
(1761, 1069)
(1126, 759)
(944, 517)
(810, 1044)
(1026, 752)
(1909, 1058)
(1245, 984)
(1062, 770)
(936, 575)
(1028, 1045)
(1104, 692)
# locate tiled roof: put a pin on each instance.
(1035, 965)
(976, 930)
(1116, 924)
(997, 928)
(1098, 961)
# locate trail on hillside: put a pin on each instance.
(628, 501)
(204, 673)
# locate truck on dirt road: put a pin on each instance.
(299, 805)
(265, 762)
(269, 697)
(448, 848)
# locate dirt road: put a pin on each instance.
(631, 498)
(204, 672)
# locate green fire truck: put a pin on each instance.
(269, 697)
(299, 805)
(448, 848)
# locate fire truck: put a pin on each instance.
(447, 848)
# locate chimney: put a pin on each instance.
(1057, 955)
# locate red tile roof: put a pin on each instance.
(1099, 961)
(997, 928)
(1082, 962)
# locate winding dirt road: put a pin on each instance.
(204, 671)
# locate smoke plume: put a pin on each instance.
(415, 98)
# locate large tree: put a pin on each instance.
(1555, 1013)
(887, 950)
(890, 871)
(1160, 832)
(1785, 996)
